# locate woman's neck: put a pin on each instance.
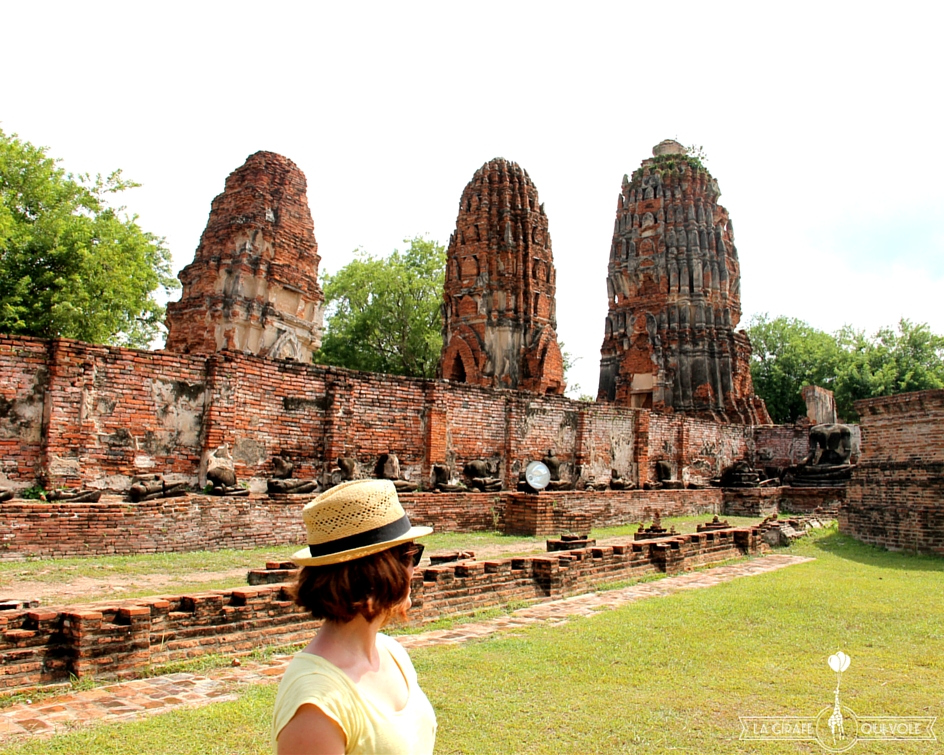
(351, 646)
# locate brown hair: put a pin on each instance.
(372, 586)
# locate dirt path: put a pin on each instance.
(70, 590)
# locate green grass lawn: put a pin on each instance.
(661, 675)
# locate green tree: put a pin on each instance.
(70, 265)
(910, 358)
(383, 313)
(787, 355)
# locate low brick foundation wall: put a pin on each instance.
(113, 526)
(896, 495)
(201, 522)
(913, 528)
(42, 646)
(767, 501)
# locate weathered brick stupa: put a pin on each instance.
(499, 313)
(253, 283)
(674, 297)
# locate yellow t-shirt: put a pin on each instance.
(310, 679)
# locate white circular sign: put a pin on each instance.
(537, 475)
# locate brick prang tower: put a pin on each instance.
(673, 287)
(253, 283)
(499, 311)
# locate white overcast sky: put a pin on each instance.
(820, 121)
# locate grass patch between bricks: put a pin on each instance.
(668, 674)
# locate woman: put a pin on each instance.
(352, 689)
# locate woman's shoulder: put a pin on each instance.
(315, 670)
(388, 642)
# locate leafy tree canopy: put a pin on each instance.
(789, 354)
(383, 313)
(70, 265)
(910, 358)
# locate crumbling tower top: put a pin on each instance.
(253, 283)
(668, 147)
(499, 311)
(673, 287)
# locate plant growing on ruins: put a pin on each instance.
(71, 265)
(383, 313)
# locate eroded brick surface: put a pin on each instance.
(499, 307)
(253, 283)
(673, 287)
(122, 639)
(896, 496)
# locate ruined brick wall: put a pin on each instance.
(34, 529)
(773, 500)
(499, 307)
(697, 450)
(673, 288)
(554, 513)
(82, 413)
(261, 408)
(610, 438)
(24, 374)
(123, 639)
(478, 429)
(75, 414)
(896, 496)
(780, 445)
(253, 283)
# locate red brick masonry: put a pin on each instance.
(42, 646)
(76, 414)
(896, 496)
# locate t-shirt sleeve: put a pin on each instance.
(314, 687)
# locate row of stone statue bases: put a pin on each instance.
(827, 464)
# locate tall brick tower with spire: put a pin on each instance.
(499, 312)
(673, 285)
(253, 283)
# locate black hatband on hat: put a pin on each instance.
(381, 534)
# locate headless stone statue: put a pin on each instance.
(282, 482)
(554, 466)
(740, 475)
(221, 473)
(282, 467)
(827, 463)
(664, 479)
(442, 480)
(388, 468)
(152, 486)
(618, 483)
(74, 496)
(479, 474)
(348, 467)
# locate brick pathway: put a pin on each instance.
(129, 700)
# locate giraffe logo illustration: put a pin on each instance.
(838, 663)
(837, 728)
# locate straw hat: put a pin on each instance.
(354, 519)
